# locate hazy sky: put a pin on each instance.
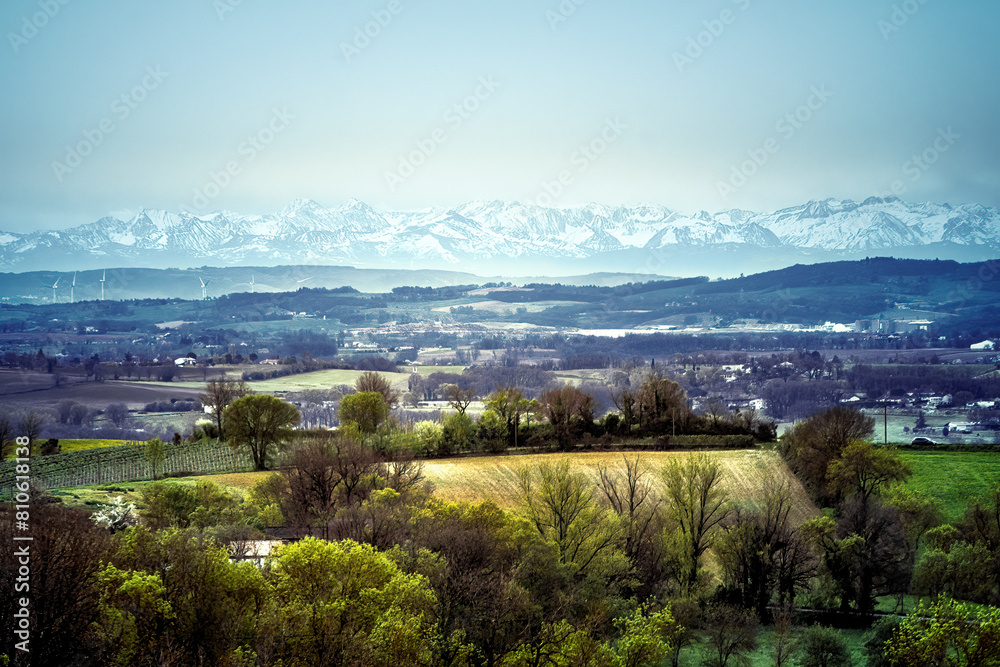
(246, 105)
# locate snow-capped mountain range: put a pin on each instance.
(496, 235)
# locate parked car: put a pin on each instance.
(922, 441)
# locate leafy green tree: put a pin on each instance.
(919, 512)
(155, 453)
(167, 504)
(429, 434)
(345, 603)
(561, 644)
(645, 638)
(962, 571)
(824, 647)
(493, 432)
(947, 632)
(509, 404)
(811, 445)
(697, 503)
(262, 424)
(457, 433)
(134, 615)
(197, 606)
(367, 410)
(864, 468)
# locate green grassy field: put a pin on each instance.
(764, 655)
(953, 478)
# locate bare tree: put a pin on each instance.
(457, 397)
(67, 551)
(117, 414)
(624, 398)
(219, 394)
(403, 473)
(732, 632)
(30, 424)
(630, 493)
(784, 644)
(311, 498)
(372, 381)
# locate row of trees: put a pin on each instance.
(558, 418)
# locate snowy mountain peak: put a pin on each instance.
(500, 231)
(302, 206)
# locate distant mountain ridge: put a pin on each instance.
(494, 235)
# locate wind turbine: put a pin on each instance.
(72, 289)
(204, 288)
(251, 283)
(54, 285)
(103, 278)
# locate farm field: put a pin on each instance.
(36, 390)
(79, 445)
(495, 477)
(330, 378)
(953, 478)
(318, 380)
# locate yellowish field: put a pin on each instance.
(331, 378)
(495, 477)
(78, 445)
(319, 380)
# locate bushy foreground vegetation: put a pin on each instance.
(635, 565)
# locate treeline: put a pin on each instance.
(898, 379)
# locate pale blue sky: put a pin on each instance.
(685, 120)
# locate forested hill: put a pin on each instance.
(860, 272)
(954, 296)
